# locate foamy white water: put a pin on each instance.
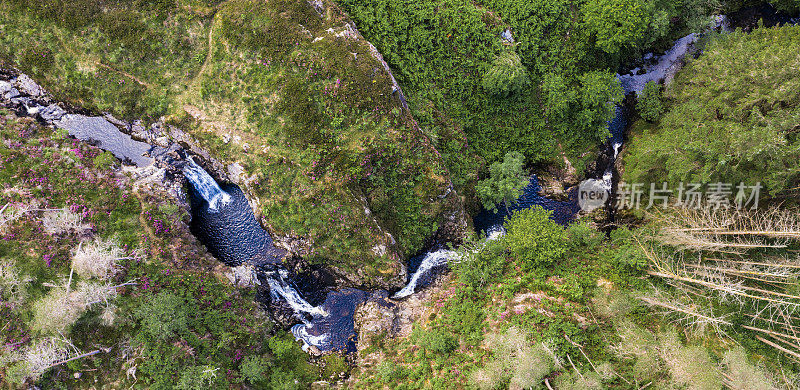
(205, 185)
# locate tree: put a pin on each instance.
(617, 24)
(505, 183)
(97, 259)
(506, 76)
(649, 102)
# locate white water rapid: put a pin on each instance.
(205, 185)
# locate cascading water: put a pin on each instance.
(431, 260)
(279, 287)
(436, 259)
(205, 185)
(233, 235)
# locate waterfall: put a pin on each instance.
(439, 258)
(432, 259)
(300, 332)
(279, 287)
(205, 185)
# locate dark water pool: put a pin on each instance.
(231, 233)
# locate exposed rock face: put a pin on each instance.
(557, 181)
(382, 317)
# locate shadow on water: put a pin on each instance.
(563, 212)
(232, 234)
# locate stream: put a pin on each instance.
(223, 220)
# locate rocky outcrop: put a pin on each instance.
(383, 317)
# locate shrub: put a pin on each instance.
(255, 369)
(477, 265)
(583, 381)
(165, 316)
(283, 380)
(60, 308)
(649, 102)
(12, 285)
(614, 304)
(200, 378)
(690, 366)
(97, 260)
(35, 359)
(507, 75)
(743, 375)
(617, 24)
(104, 161)
(641, 344)
(63, 221)
(516, 361)
(533, 238)
(583, 236)
(436, 340)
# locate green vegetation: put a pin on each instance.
(507, 75)
(649, 104)
(790, 6)
(294, 96)
(448, 56)
(506, 183)
(534, 239)
(104, 281)
(93, 270)
(616, 23)
(731, 116)
(594, 313)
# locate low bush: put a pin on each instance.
(436, 340)
(533, 238)
(165, 316)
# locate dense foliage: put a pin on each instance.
(732, 117)
(446, 53)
